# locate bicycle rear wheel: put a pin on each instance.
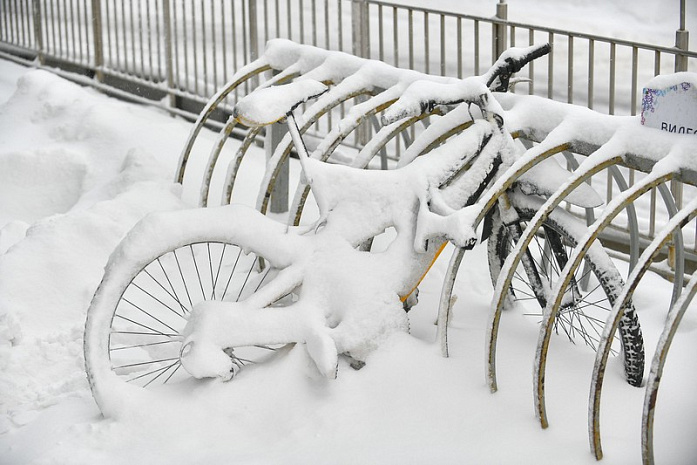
(588, 298)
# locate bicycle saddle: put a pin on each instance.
(268, 105)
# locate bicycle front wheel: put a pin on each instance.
(133, 334)
(587, 299)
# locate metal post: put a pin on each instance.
(360, 28)
(499, 31)
(253, 30)
(682, 41)
(169, 62)
(97, 37)
(38, 35)
(253, 37)
(279, 196)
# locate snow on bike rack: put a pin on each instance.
(547, 128)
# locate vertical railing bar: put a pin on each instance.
(410, 21)
(512, 37)
(80, 26)
(301, 8)
(381, 46)
(288, 17)
(57, 18)
(652, 210)
(140, 38)
(109, 33)
(442, 45)
(11, 6)
(476, 47)
(277, 18)
(215, 46)
(168, 39)
(53, 29)
(98, 37)
(612, 78)
(223, 40)
(80, 44)
(38, 33)
(243, 20)
(22, 20)
(204, 49)
(550, 68)
(314, 22)
(395, 35)
(326, 26)
(234, 45)
(633, 100)
(194, 44)
(148, 25)
(7, 28)
(591, 72)
(341, 27)
(635, 64)
(159, 38)
(88, 23)
(187, 80)
(3, 22)
(570, 71)
(133, 38)
(531, 65)
(266, 20)
(175, 42)
(72, 43)
(459, 47)
(427, 47)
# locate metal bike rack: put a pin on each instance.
(592, 144)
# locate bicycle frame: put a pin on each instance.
(423, 201)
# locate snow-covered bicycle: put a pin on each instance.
(206, 292)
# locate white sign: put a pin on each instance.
(670, 103)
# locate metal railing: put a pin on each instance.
(181, 51)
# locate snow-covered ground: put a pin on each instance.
(78, 169)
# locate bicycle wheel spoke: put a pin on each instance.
(149, 294)
(232, 273)
(149, 362)
(198, 275)
(154, 331)
(217, 273)
(135, 346)
(161, 373)
(181, 274)
(147, 313)
(244, 284)
(174, 292)
(140, 333)
(176, 299)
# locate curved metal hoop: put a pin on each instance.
(224, 135)
(247, 72)
(672, 322)
(647, 257)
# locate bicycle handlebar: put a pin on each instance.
(511, 61)
(424, 96)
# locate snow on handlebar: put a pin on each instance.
(424, 96)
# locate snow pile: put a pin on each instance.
(77, 170)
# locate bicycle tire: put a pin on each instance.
(152, 281)
(586, 307)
